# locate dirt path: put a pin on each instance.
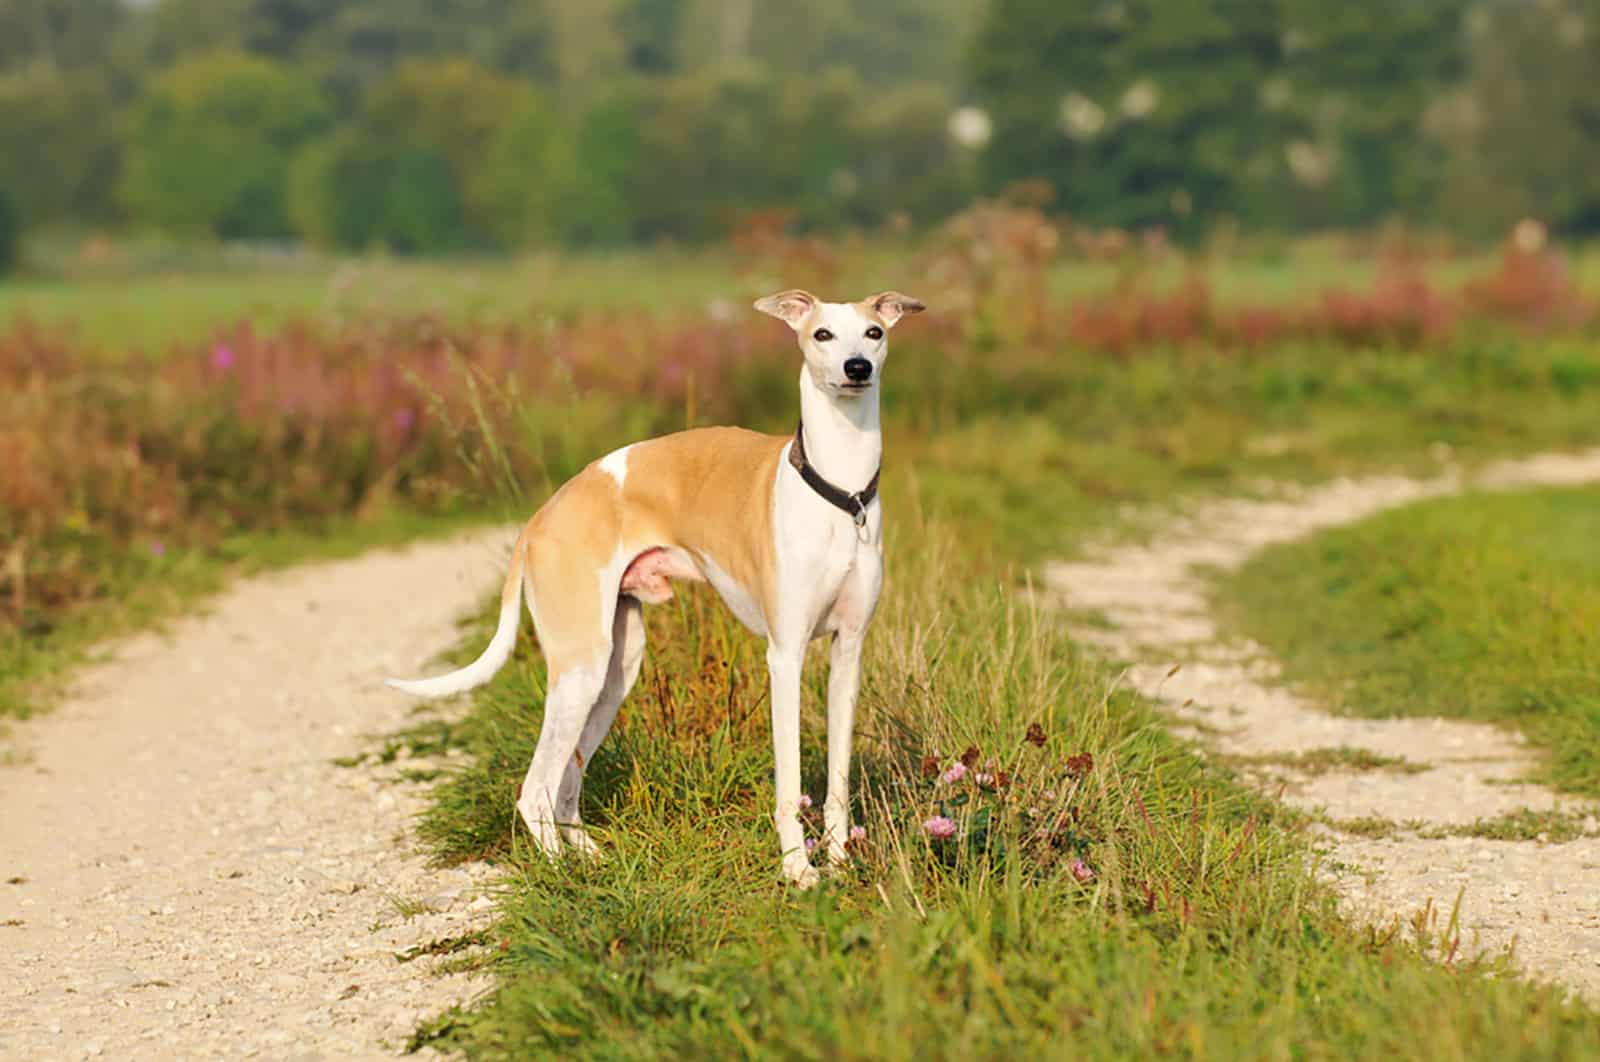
(184, 871)
(1543, 897)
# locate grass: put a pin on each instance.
(1152, 908)
(147, 297)
(1483, 607)
(1315, 762)
(119, 308)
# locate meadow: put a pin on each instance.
(1485, 607)
(1113, 895)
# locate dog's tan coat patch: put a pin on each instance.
(707, 492)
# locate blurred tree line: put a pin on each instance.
(433, 125)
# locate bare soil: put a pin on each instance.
(184, 870)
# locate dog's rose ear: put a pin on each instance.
(891, 306)
(791, 306)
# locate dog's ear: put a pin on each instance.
(890, 306)
(791, 306)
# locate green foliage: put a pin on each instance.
(68, 127)
(58, 145)
(676, 118)
(59, 35)
(1291, 113)
(10, 233)
(734, 138)
(1483, 606)
(408, 173)
(1524, 125)
(362, 192)
(210, 144)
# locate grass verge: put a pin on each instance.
(1107, 894)
(1484, 606)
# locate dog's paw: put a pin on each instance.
(582, 843)
(800, 873)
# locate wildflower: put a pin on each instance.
(930, 766)
(957, 771)
(805, 801)
(1140, 100)
(970, 757)
(939, 828)
(970, 127)
(858, 833)
(1081, 117)
(1080, 765)
(984, 778)
(1035, 735)
(405, 418)
(158, 548)
(222, 357)
(1001, 779)
(811, 842)
(1080, 870)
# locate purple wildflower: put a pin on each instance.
(1080, 870)
(957, 771)
(983, 778)
(811, 842)
(158, 548)
(858, 833)
(405, 418)
(805, 801)
(222, 357)
(939, 828)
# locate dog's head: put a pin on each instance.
(844, 343)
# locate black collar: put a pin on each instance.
(854, 504)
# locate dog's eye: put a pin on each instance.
(874, 332)
(822, 335)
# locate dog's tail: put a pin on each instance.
(493, 657)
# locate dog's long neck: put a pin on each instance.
(842, 437)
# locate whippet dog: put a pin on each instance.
(787, 529)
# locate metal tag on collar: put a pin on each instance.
(860, 515)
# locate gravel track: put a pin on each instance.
(1540, 899)
(184, 870)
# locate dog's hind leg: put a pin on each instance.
(627, 653)
(574, 688)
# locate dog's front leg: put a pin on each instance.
(783, 668)
(844, 680)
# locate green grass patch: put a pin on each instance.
(1115, 897)
(1525, 824)
(1483, 607)
(150, 303)
(1316, 762)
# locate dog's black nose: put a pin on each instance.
(859, 370)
